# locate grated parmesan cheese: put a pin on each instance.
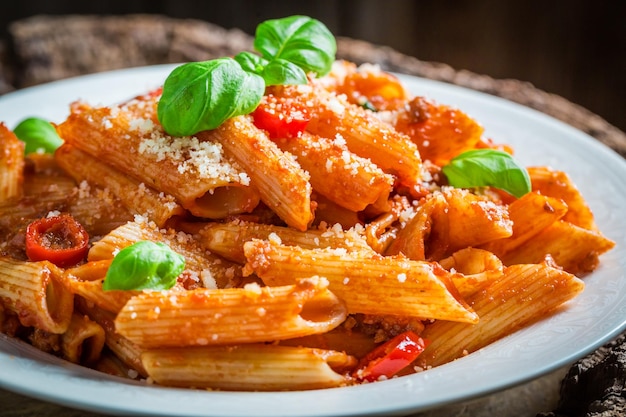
(191, 155)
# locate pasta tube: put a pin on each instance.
(341, 176)
(11, 165)
(86, 281)
(227, 239)
(282, 183)
(367, 283)
(530, 214)
(147, 202)
(194, 171)
(35, 292)
(364, 134)
(476, 267)
(417, 239)
(83, 341)
(42, 194)
(575, 249)
(440, 131)
(207, 317)
(125, 350)
(252, 367)
(110, 364)
(473, 220)
(523, 295)
(558, 184)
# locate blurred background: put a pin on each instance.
(575, 49)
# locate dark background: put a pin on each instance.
(576, 49)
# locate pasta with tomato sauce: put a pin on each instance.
(321, 240)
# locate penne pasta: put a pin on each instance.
(112, 301)
(364, 134)
(86, 281)
(42, 194)
(559, 185)
(11, 165)
(109, 363)
(341, 176)
(366, 86)
(574, 248)
(367, 283)
(207, 317)
(328, 212)
(418, 239)
(248, 367)
(441, 132)
(35, 292)
(473, 220)
(193, 171)
(227, 239)
(282, 183)
(83, 341)
(476, 267)
(523, 295)
(340, 339)
(134, 195)
(530, 214)
(125, 350)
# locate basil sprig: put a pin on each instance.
(38, 135)
(202, 95)
(145, 265)
(488, 168)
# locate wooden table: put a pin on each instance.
(49, 48)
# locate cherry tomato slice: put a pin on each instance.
(281, 119)
(391, 357)
(58, 239)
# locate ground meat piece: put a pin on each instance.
(44, 341)
(9, 322)
(384, 327)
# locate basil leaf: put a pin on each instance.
(281, 72)
(38, 135)
(488, 167)
(302, 40)
(251, 62)
(275, 72)
(144, 265)
(202, 95)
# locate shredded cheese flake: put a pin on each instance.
(191, 155)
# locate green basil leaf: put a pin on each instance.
(281, 72)
(202, 95)
(38, 135)
(251, 62)
(488, 167)
(302, 40)
(144, 265)
(274, 72)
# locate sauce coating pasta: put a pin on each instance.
(304, 252)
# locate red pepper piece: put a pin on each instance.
(391, 357)
(59, 239)
(281, 119)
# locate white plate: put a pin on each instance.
(589, 321)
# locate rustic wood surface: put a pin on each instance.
(47, 48)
